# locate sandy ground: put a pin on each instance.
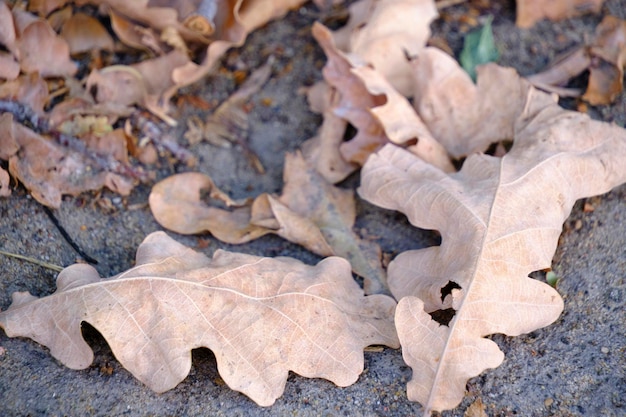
(575, 367)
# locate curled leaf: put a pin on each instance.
(310, 212)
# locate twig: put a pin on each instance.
(26, 116)
(160, 137)
(442, 4)
(33, 260)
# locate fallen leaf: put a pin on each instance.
(228, 125)
(500, 219)
(178, 203)
(561, 71)
(479, 48)
(9, 68)
(41, 50)
(262, 318)
(476, 409)
(29, 89)
(5, 181)
(322, 150)
(604, 57)
(383, 33)
(310, 212)
(368, 101)
(606, 73)
(49, 170)
(531, 11)
(464, 117)
(84, 33)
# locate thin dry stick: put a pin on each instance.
(33, 260)
(442, 4)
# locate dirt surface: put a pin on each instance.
(575, 367)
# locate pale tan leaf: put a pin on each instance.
(333, 211)
(531, 11)
(400, 122)
(5, 188)
(9, 68)
(8, 34)
(369, 102)
(177, 203)
(500, 219)
(465, 117)
(310, 212)
(30, 90)
(383, 33)
(262, 318)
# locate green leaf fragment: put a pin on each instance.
(552, 278)
(479, 48)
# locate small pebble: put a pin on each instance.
(604, 349)
(548, 402)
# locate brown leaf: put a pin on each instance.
(605, 59)
(606, 73)
(476, 409)
(5, 187)
(8, 34)
(531, 11)
(262, 317)
(30, 90)
(49, 170)
(500, 219)
(40, 48)
(321, 151)
(84, 33)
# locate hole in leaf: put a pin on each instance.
(350, 133)
(443, 317)
(447, 289)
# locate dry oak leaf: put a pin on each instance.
(608, 53)
(604, 57)
(39, 48)
(262, 317)
(310, 212)
(369, 102)
(383, 33)
(500, 219)
(465, 117)
(531, 11)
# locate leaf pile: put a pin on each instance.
(175, 42)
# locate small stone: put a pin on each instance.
(548, 402)
(604, 349)
(578, 225)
